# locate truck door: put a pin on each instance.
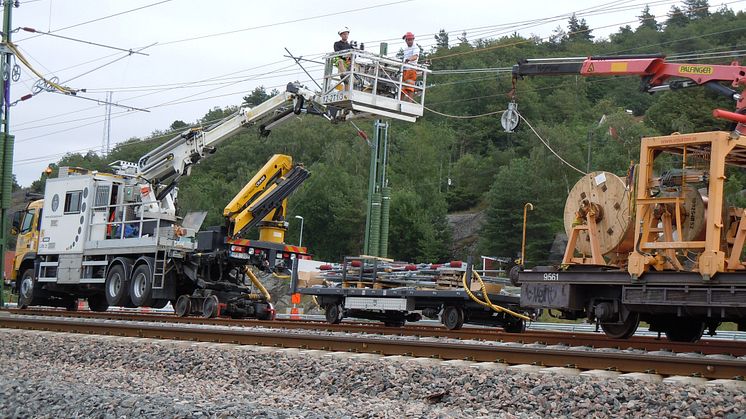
(28, 236)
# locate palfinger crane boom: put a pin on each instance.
(657, 74)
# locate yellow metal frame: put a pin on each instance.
(657, 247)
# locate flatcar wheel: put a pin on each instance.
(623, 330)
(333, 313)
(393, 323)
(453, 317)
(183, 306)
(210, 307)
(515, 326)
(685, 331)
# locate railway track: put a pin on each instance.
(550, 356)
(593, 340)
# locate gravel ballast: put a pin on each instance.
(66, 375)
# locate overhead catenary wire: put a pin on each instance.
(548, 146)
(98, 19)
(197, 94)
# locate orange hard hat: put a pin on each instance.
(408, 35)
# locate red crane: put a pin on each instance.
(656, 73)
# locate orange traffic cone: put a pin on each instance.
(295, 312)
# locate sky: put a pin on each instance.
(206, 54)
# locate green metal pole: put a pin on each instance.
(385, 206)
(6, 141)
(375, 225)
(371, 188)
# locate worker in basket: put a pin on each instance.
(409, 75)
(342, 62)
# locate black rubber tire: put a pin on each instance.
(624, 330)
(141, 286)
(453, 317)
(333, 313)
(393, 323)
(210, 307)
(97, 302)
(116, 287)
(183, 306)
(26, 289)
(686, 330)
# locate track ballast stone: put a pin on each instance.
(63, 375)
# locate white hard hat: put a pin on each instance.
(342, 30)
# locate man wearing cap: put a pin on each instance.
(409, 75)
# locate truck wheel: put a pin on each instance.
(183, 306)
(97, 302)
(210, 307)
(141, 286)
(26, 289)
(334, 313)
(452, 317)
(116, 287)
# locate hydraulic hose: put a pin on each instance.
(257, 283)
(487, 302)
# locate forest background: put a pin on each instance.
(444, 165)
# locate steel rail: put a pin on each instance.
(594, 340)
(619, 361)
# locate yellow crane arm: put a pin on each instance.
(264, 198)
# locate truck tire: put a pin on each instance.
(97, 302)
(116, 287)
(141, 286)
(26, 289)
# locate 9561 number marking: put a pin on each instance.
(551, 276)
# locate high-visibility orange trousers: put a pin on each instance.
(408, 77)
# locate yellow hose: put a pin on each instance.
(487, 302)
(280, 276)
(255, 281)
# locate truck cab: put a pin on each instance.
(26, 225)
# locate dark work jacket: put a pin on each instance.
(341, 46)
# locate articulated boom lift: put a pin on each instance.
(115, 239)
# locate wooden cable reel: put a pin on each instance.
(598, 221)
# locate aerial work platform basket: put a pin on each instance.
(361, 81)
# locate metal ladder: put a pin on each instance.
(161, 269)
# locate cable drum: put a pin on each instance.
(606, 196)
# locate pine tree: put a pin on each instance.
(697, 9)
(676, 17)
(441, 39)
(578, 30)
(647, 20)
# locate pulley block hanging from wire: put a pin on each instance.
(509, 119)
